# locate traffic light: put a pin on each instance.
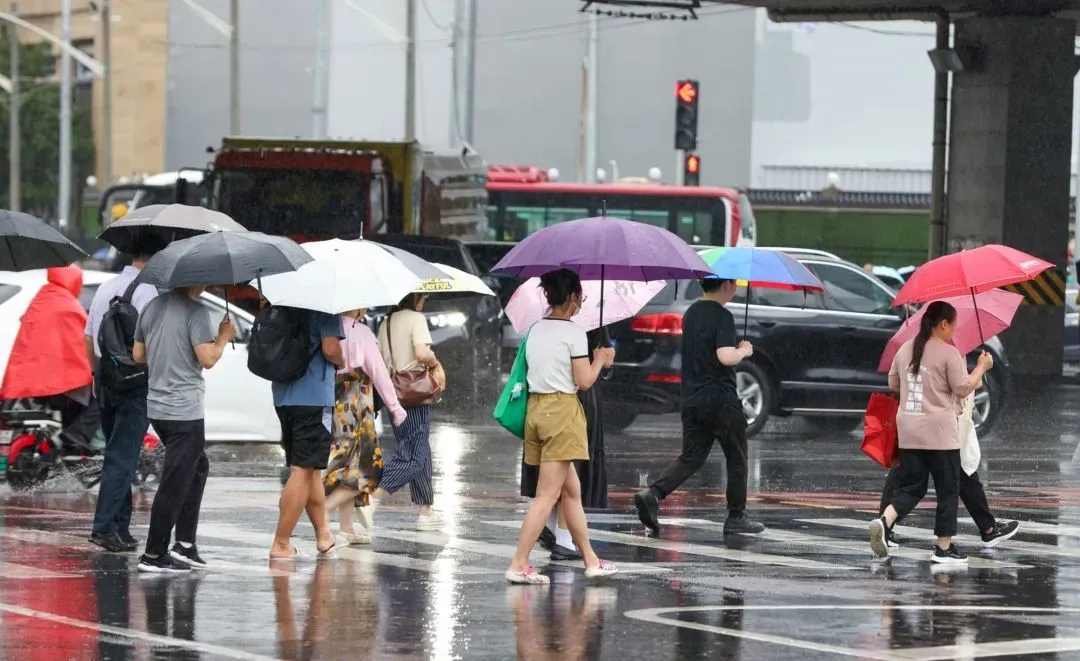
(686, 114)
(692, 170)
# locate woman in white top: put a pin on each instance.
(557, 354)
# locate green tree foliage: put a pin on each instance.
(40, 118)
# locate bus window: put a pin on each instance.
(695, 227)
(650, 217)
(520, 222)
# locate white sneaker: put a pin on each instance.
(429, 522)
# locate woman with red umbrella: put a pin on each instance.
(930, 374)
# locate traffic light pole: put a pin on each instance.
(680, 163)
(15, 141)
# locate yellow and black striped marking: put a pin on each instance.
(1048, 288)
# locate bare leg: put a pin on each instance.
(293, 499)
(317, 512)
(548, 489)
(890, 516)
(341, 500)
(345, 518)
(570, 507)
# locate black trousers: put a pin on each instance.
(183, 478)
(915, 470)
(722, 423)
(971, 494)
(81, 423)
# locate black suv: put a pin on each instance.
(466, 328)
(815, 356)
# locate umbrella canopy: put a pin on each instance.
(770, 269)
(454, 281)
(423, 269)
(622, 299)
(223, 258)
(28, 243)
(161, 224)
(971, 271)
(343, 276)
(995, 310)
(605, 247)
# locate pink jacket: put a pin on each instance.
(361, 351)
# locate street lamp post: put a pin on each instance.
(15, 137)
(63, 206)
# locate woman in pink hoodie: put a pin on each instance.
(355, 458)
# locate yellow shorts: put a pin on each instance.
(555, 429)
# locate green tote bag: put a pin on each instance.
(514, 401)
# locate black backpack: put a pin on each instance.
(116, 337)
(280, 348)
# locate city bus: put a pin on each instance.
(522, 200)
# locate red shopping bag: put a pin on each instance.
(879, 430)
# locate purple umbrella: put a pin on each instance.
(605, 248)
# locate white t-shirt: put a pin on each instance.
(551, 345)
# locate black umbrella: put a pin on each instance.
(223, 258)
(153, 227)
(27, 243)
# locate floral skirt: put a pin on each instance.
(356, 461)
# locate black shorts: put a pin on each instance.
(304, 435)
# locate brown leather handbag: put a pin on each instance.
(417, 387)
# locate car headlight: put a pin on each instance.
(447, 320)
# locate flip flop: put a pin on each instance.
(338, 543)
(296, 555)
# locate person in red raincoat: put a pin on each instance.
(48, 362)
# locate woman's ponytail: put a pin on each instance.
(936, 312)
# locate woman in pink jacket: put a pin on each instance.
(355, 458)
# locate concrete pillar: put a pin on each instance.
(1009, 159)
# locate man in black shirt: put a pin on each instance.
(711, 409)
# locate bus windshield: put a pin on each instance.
(515, 212)
(313, 203)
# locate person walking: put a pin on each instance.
(592, 473)
(405, 344)
(305, 409)
(711, 409)
(930, 374)
(176, 339)
(356, 462)
(557, 355)
(122, 409)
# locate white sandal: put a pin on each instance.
(527, 576)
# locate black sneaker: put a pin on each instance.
(110, 542)
(890, 539)
(547, 539)
(1000, 532)
(952, 556)
(130, 543)
(742, 524)
(187, 555)
(162, 564)
(648, 510)
(560, 552)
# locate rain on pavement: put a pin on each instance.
(806, 589)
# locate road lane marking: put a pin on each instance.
(153, 639)
(942, 653)
(806, 539)
(11, 570)
(970, 541)
(690, 548)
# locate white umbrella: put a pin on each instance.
(345, 275)
(457, 281)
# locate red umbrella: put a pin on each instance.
(969, 272)
(995, 308)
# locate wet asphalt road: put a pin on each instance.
(805, 590)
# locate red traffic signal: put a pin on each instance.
(693, 164)
(692, 170)
(686, 116)
(686, 91)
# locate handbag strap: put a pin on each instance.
(390, 342)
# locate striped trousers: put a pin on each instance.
(411, 463)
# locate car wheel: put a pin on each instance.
(833, 424)
(755, 394)
(616, 418)
(989, 400)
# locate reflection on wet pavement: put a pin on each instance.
(806, 589)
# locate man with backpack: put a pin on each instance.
(299, 352)
(120, 387)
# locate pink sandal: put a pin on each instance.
(527, 576)
(601, 570)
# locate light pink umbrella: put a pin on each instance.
(996, 309)
(622, 299)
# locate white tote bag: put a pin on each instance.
(970, 453)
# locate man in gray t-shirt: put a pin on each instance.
(176, 338)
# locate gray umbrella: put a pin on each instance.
(223, 258)
(150, 228)
(28, 243)
(423, 269)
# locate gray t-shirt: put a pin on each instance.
(171, 326)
